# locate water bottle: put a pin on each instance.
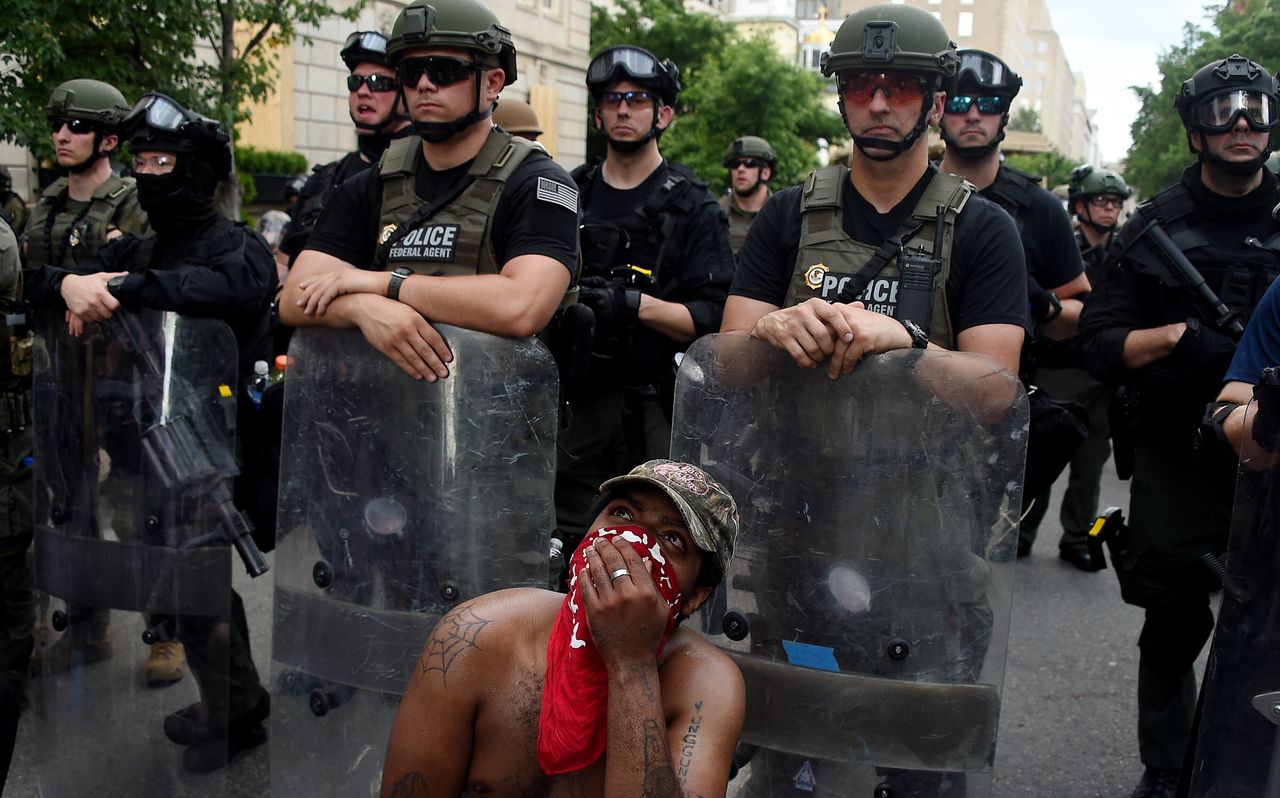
(280, 367)
(261, 379)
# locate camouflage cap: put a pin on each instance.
(707, 508)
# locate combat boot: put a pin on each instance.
(1157, 783)
(164, 664)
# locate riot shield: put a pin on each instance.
(399, 499)
(134, 456)
(1237, 753)
(868, 599)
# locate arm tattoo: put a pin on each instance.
(659, 781)
(410, 785)
(687, 744)
(456, 632)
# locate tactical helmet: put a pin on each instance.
(751, 147)
(517, 116)
(365, 47)
(158, 122)
(1273, 163)
(1086, 181)
(628, 62)
(91, 100)
(1229, 75)
(467, 24)
(891, 36)
(982, 73)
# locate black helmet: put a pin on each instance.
(1218, 94)
(628, 62)
(365, 47)
(467, 24)
(751, 147)
(158, 122)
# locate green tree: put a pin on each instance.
(1052, 166)
(748, 89)
(146, 45)
(1027, 119)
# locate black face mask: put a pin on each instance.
(372, 146)
(172, 204)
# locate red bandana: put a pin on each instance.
(575, 694)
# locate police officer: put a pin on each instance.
(463, 225)
(373, 103)
(1145, 325)
(11, 204)
(1095, 197)
(751, 162)
(657, 261)
(518, 117)
(199, 263)
(78, 214)
(819, 274)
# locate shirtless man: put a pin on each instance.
(481, 716)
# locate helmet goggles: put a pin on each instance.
(160, 113)
(984, 68)
(1220, 113)
(635, 63)
(367, 40)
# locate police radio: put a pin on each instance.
(918, 271)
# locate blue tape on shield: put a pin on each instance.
(810, 656)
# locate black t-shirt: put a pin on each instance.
(1053, 257)
(527, 221)
(986, 283)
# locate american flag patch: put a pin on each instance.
(559, 193)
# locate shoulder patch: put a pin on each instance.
(557, 193)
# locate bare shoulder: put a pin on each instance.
(483, 632)
(694, 668)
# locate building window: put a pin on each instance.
(966, 2)
(964, 24)
(807, 9)
(935, 2)
(1042, 46)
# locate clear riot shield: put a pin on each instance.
(868, 599)
(134, 455)
(399, 499)
(1238, 747)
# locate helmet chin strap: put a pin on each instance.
(754, 187)
(1087, 218)
(87, 163)
(628, 147)
(436, 132)
(1235, 168)
(972, 153)
(895, 148)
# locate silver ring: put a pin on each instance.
(621, 572)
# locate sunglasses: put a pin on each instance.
(378, 84)
(612, 99)
(961, 103)
(440, 70)
(750, 163)
(900, 88)
(77, 126)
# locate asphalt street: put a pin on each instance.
(1068, 722)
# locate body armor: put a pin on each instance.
(828, 259)
(56, 238)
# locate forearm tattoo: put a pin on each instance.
(659, 780)
(410, 785)
(456, 632)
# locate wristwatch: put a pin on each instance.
(1055, 308)
(115, 284)
(919, 338)
(398, 277)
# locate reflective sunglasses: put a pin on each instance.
(1219, 114)
(77, 126)
(750, 163)
(612, 99)
(378, 84)
(900, 88)
(440, 70)
(961, 103)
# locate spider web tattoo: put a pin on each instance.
(455, 633)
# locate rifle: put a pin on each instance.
(181, 447)
(1182, 274)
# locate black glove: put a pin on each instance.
(616, 308)
(1044, 305)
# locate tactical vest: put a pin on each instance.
(739, 222)
(1092, 256)
(637, 241)
(73, 239)
(1239, 275)
(457, 238)
(1012, 191)
(827, 258)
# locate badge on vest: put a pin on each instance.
(386, 234)
(73, 238)
(435, 242)
(880, 295)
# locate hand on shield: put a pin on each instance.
(814, 330)
(626, 613)
(402, 334)
(873, 334)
